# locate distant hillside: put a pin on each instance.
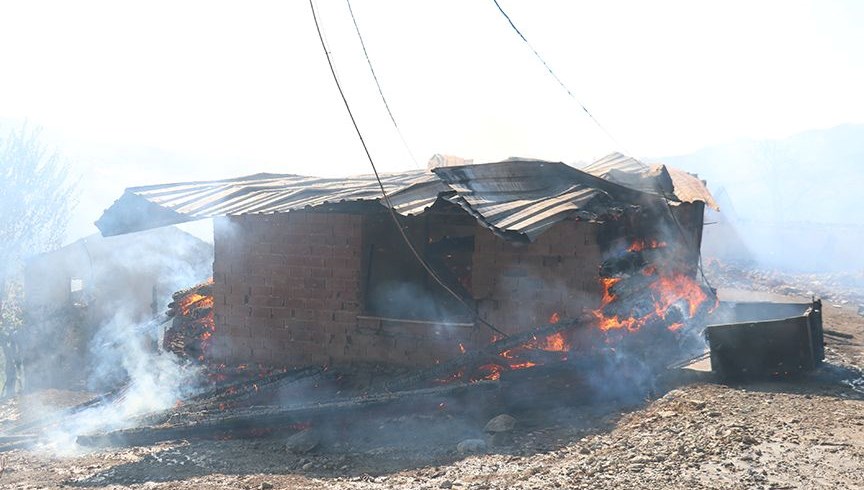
(795, 202)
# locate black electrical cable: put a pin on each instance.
(602, 128)
(551, 72)
(377, 84)
(389, 205)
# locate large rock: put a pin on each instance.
(303, 442)
(471, 446)
(501, 423)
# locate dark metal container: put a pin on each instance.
(765, 339)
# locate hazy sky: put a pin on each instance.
(149, 92)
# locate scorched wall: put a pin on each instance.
(289, 290)
(519, 287)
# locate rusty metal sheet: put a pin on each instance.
(689, 188)
(658, 179)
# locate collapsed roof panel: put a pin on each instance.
(615, 162)
(525, 197)
(671, 183)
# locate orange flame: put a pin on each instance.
(667, 290)
(491, 372)
(640, 245)
(199, 309)
(555, 343)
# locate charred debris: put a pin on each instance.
(554, 285)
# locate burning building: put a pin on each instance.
(73, 292)
(314, 271)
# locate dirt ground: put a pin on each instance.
(695, 432)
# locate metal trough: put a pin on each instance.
(762, 339)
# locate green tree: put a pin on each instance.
(37, 197)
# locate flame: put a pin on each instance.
(678, 287)
(675, 326)
(491, 372)
(640, 245)
(555, 343)
(668, 289)
(198, 308)
(607, 283)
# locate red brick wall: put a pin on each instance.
(285, 285)
(518, 287)
(288, 291)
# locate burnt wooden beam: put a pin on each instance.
(59, 415)
(233, 392)
(471, 360)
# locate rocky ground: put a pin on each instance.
(693, 432)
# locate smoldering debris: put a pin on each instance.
(135, 379)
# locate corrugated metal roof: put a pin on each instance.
(525, 197)
(688, 188)
(617, 162)
(518, 199)
(141, 208)
(657, 179)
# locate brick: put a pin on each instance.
(314, 283)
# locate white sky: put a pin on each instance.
(137, 93)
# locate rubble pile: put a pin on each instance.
(839, 288)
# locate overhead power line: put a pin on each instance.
(666, 198)
(387, 201)
(557, 79)
(378, 84)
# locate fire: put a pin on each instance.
(667, 289)
(490, 372)
(555, 343)
(676, 288)
(196, 300)
(640, 245)
(662, 295)
(196, 311)
(607, 283)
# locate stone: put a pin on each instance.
(698, 404)
(501, 439)
(471, 446)
(303, 442)
(501, 423)
(446, 484)
(265, 486)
